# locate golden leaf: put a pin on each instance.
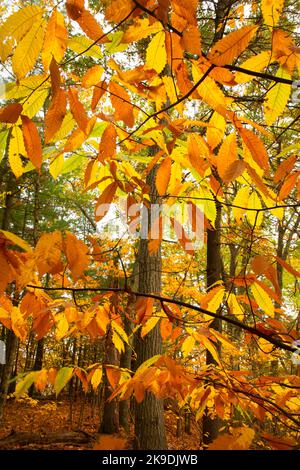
(28, 49)
(156, 55)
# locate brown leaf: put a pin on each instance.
(11, 113)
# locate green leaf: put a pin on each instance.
(25, 384)
(71, 164)
(62, 378)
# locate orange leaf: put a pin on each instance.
(105, 200)
(284, 168)
(121, 102)
(256, 148)
(55, 43)
(77, 255)
(234, 170)
(32, 141)
(107, 147)
(288, 267)
(163, 175)
(226, 156)
(55, 114)
(78, 110)
(77, 12)
(288, 186)
(11, 113)
(92, 76)
(232, 45)
(113, 376)
(98, 92)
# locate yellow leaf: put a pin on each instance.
(56, 165)
(216, 300)
(163, 175)
(216, 132)
(271, 10)
(149, 325)
(263, 299)
(84, 46)
(277, 98)
(156, 56)
(96, 378)
(20, 22)
(187, 345)
(232, 45)
(235, 308)
(16, 149)
(34, 102)
(254, 218)
(18, 323)
(28, 49)
(62, 326)
(16, 240)
(256, 63)
(56, 37)
(209, 90)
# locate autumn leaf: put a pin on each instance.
(120, 100)
(107, 147)
(239, 439)
(10, 114)
(63, 376)
(16, 151)
(232, 45)
(77, 255)
(156, 56)
(104, 201)
(277, 98)
(92, 76)
(78, 110)
(271, 10)
(163, 175)
(56, 38)
(55, 114)
(256, 148)
(28, 49)
(32, 141)
(263, 299)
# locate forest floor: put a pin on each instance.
(29, 424)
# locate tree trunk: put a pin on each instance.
(149, 415)
(110, 419)
(211, 425)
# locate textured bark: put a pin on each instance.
(110, 418)
(211, 425)
(149, 415)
